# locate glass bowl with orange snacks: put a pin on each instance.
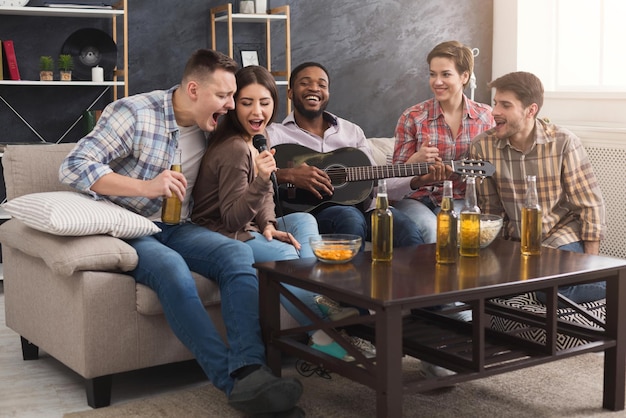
(335, 248)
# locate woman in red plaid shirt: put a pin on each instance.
(437, 129)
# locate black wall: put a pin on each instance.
(375, 51)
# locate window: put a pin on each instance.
(573, 45)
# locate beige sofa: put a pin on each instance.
(70, 297)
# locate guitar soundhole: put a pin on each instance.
(337, 174)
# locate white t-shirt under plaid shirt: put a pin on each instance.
(136, 136)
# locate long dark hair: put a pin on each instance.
(252, 74)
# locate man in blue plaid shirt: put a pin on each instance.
(127, 159)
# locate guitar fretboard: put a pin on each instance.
(377, 172)
(386, 171)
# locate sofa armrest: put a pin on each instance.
(66, 255)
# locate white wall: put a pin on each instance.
(596, 117)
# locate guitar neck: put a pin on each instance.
(386, 171)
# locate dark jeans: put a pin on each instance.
(351, 220)
(165, 263)
(581, 293)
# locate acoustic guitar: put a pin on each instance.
(352, 175)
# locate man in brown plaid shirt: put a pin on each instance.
(573, 211)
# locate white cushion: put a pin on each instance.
(76, 214)
(382, 149)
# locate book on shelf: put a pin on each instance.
(74, 5)
(11, 61)
(1, 62)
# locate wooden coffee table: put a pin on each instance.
(400, 293)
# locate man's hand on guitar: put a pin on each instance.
(437, 172)
(307, 177)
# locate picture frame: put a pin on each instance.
(250, 54)
(249, 58)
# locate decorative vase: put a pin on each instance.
(260, 6)
(65, 75)
(246, 6)
(46, 75)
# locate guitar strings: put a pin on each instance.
(338, 174)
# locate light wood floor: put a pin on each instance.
(45, 388)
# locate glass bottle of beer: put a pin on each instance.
(531, 219)
(382, 280)
(446, 250)
(382, 226)
(170, 212)
(470, 221)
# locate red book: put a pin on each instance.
(9, 53)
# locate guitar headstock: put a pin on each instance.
(476, 168)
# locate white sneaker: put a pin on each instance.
(333, 310)
(430, 370)
(322, 342)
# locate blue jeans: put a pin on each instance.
(165, 263)
(302, 226)
(424, 215)
(351, 220)
(299, 224)
(342, 220)
(581, 293)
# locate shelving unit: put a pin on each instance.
(224, 14)
(120, 76)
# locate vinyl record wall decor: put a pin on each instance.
(91, 47)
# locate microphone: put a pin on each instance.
(260, 143)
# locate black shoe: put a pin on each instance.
(261, 393)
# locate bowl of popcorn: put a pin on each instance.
(335, 248)
(490, 226)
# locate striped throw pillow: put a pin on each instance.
(76, 214)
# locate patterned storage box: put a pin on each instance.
(529, 302)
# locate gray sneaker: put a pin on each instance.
(367, 348)
(261, 393)
(333, 310)
(430, 370)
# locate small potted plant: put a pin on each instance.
(65, 64)
(46, 68)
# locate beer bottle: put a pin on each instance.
(531, 219)
(470, 221)
(170, 212)
(382, 282)
(446, 250)
(382, 226)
